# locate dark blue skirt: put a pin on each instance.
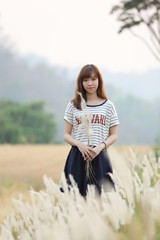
(76, 166)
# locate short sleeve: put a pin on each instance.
(113, 117)
(68, 114)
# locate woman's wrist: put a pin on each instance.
(78, 143)
(102, 146)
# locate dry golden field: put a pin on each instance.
(22, 166)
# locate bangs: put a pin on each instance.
(89, 72)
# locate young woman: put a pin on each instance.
(104, 125)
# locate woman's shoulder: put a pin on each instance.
(109, 102)
(106, 103)
(70, 105)
(70, 102)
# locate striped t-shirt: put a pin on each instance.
(104, 116)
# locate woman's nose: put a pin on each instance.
(90, 82)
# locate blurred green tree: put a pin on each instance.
(133, 13)
(26, 123)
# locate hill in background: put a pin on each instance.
(33, 78)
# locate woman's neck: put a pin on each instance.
(92, 98)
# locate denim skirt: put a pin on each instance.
(76, 166)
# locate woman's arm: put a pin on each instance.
(67, 134)
(112, 137)
(86, 151)
(109, 141)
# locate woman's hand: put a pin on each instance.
(87, 152)
(97, 150)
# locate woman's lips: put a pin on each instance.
(90, 88)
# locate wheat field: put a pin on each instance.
(28, 163)
(23, 166)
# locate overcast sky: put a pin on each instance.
(73, 33)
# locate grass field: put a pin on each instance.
(22, 166)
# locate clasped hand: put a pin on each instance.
(89, 153)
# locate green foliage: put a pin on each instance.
(9, 183)
(156, 148)
(157, 230)
(26, 123)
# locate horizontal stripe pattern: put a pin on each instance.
(103, 117)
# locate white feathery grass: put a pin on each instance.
(51, 214)
(86, 118)
(86, 128)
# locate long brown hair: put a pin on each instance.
(86, 72)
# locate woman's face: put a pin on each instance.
(90, 84)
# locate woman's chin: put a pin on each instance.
(91, 90)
